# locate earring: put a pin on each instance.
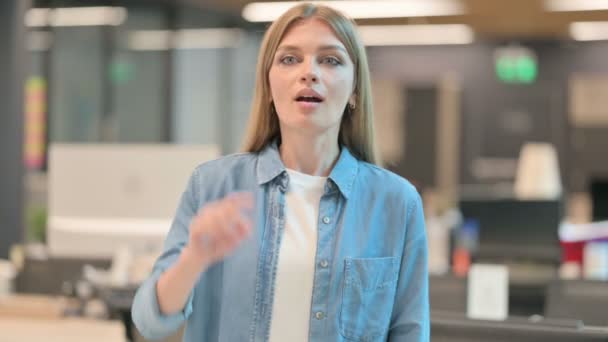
(273, 110)
(350, 110)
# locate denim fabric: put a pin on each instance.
(370, 280)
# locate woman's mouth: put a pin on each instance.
(309, 99)
(308, 103)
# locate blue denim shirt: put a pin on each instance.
(370, 279)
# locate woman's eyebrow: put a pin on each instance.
(288, 48)
(332, 47)
(321, 48)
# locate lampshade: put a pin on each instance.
(538, 172)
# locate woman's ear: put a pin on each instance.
(352, 101)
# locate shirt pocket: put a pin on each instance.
(367, 297)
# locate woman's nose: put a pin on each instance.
(309, 77)
(310, 72)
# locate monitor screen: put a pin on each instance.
(102, 196)
(599, 198)
(516, 230)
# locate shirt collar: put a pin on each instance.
(270, 164)
(343, 175)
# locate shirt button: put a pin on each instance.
(324, 263)
(319, 315)
(326, 220)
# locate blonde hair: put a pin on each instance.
(357, 126)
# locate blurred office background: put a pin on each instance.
(496, 110)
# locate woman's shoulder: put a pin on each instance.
(383, 180)
(236, 164)
(226, 161)
(215, 178)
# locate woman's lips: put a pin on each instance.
(308, 106)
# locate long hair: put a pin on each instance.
(357, 126)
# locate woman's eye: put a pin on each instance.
(331, 60)
(288, 60)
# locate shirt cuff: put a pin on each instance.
(148, 318)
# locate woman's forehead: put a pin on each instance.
(310, 31)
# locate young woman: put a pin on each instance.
(303, 237)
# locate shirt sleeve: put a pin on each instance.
(410, 321)
(145, 311)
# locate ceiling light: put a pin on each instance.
(269, 11)
(575, 5)
(149, 40)
(37, 17)
(386, 35)
(75, 16)
(589, 30)
(207, 38)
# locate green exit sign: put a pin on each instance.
(515, 65)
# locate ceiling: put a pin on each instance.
(491, 19)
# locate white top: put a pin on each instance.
(296, 265)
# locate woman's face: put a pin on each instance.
(311, 79)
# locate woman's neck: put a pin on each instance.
(315, 157)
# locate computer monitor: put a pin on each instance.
(516, 230)
(104, 196)
(599, 198)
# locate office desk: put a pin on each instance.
(526, 296)
(451, 327)
(33, 318)
(60, 330)
(581, 299)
